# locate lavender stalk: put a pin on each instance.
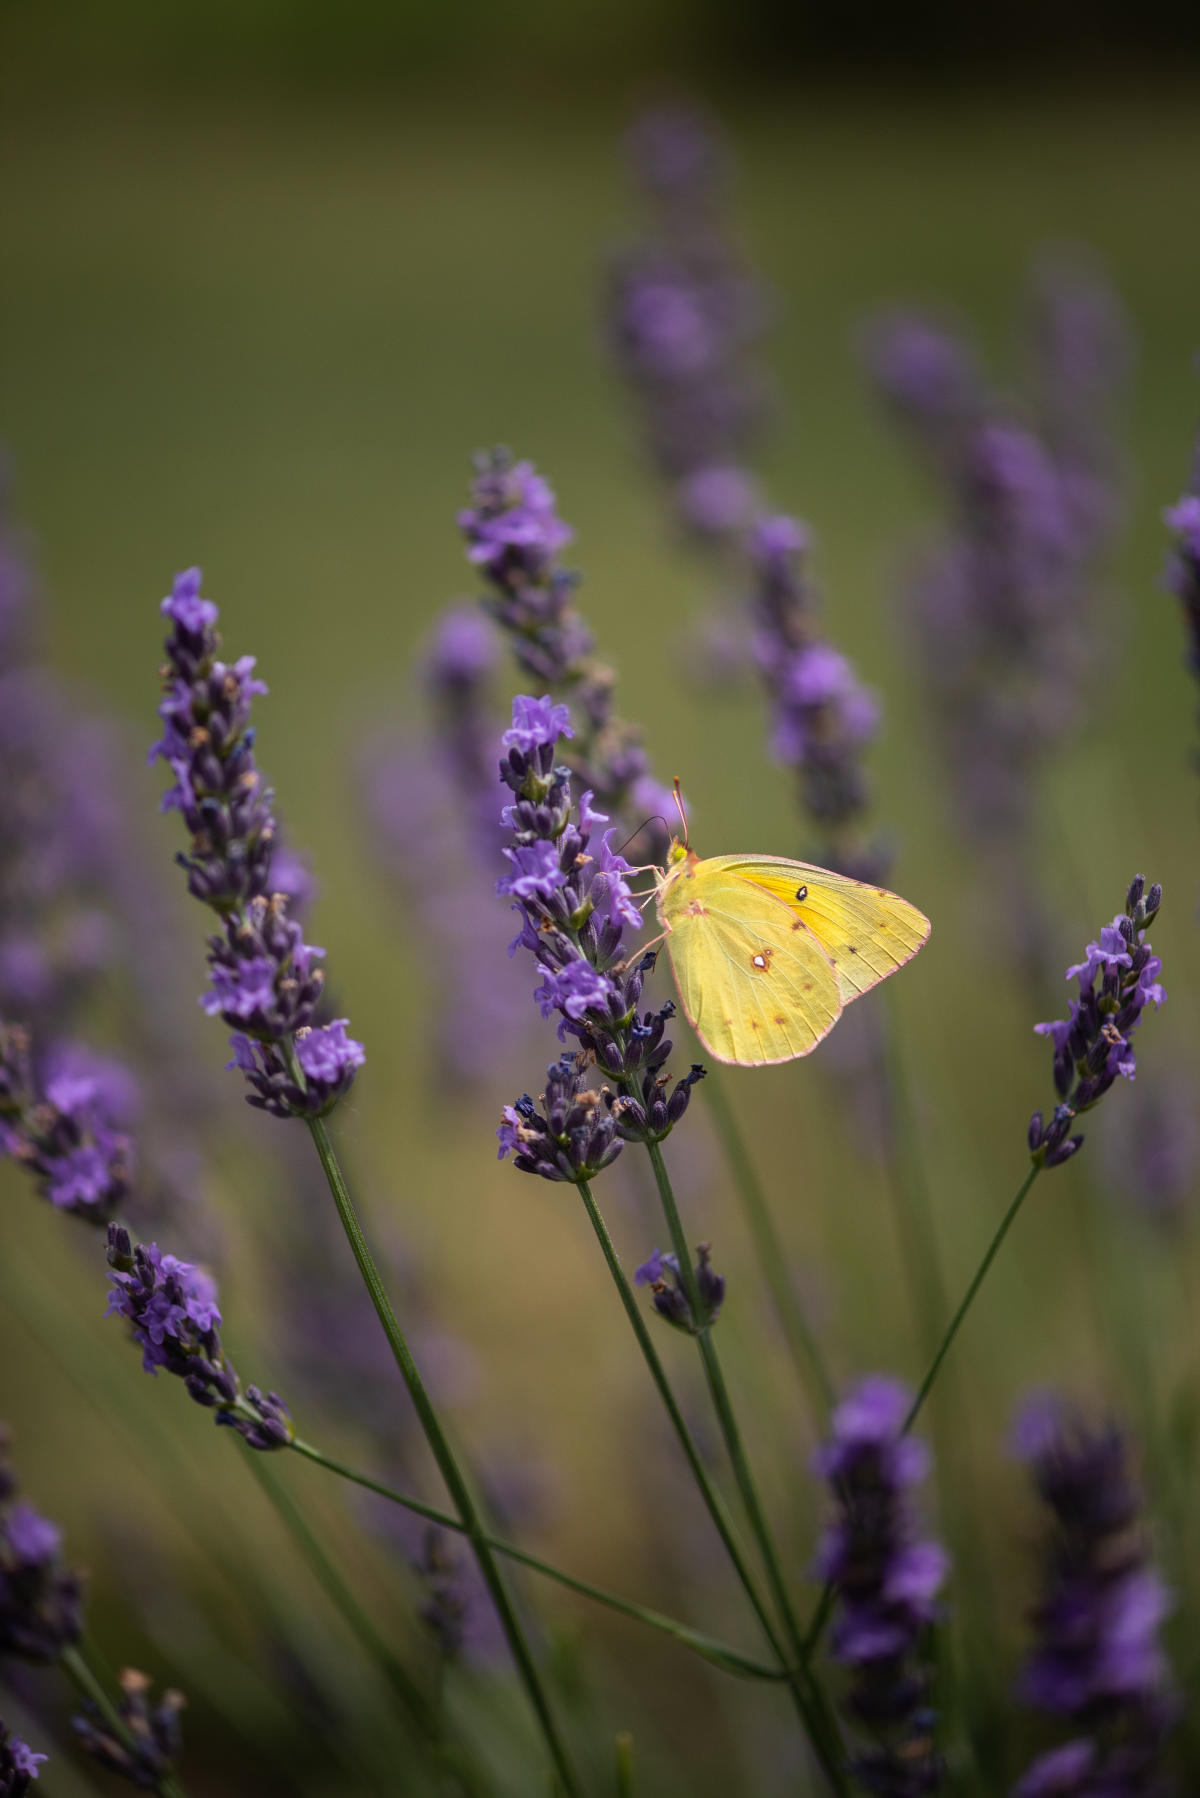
(265, 985)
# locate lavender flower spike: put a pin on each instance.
(669, 1295)
(1098, 1663)
(154, 1730)
(886, 1579)
(263, 981)
(65, 1135)
(171, 1307)
(41, 1602)
(532, 599)
(1183, 568)
(1117, 978)
(18, 1764)
(576, 905)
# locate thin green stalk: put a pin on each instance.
(708, 1492)
(729, 1659)
(825, 1602)
(443, 1454)
(75, 1666)
(803, 1345)
(968, 1298)
(413, 1700)
(824, 1731)
(624, 1746)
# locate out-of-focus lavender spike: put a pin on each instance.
(1098, 1663)
(886, 1579)
(823, 717)
(41, 1602)
(1002, 603)
(66, 1132)
(263, 978)
(682, 315)
(153, 1738)
(435, 786)
(1183, 565)
(18, 1764)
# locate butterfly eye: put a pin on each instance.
(802, 892)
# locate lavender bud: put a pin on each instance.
(155, 1736)
(18, 1764)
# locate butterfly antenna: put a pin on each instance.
(654, 818)
(675, 788)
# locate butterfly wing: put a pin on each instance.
(866, 932)
(755, 984)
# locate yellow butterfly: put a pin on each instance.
(766, 952)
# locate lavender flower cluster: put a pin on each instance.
(153, 1730)
(575, 905)
(514, 534)
(1002, 604)
(66, 1135)
(1117, 978)
(18, 1764)
(1099, 1664)
(435, 785)
(886, 1578)
(263, 978)
(1183, 568)
(683, 313)
(668, 1292)
(41, 1601)
(172, 1310)
(823, 717)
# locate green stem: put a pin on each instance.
(799, 1688)
(75, 1666)
(717, 1652)
(801, 1342)
(823, 1726)
(443, 1454)
(825, 1603)
(624, 1746)
(968, 1298)
(412, 1699)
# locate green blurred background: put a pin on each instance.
(270, 275)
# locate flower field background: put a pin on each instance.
(267, 337)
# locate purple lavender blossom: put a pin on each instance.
(682, 316)
(172, 1310)
(263, 981)
(1003, 601)
(574, 1135)
(18, 1764)
(65, 1134)
(886, 1578)
(532, 600)
(575, 907)
(434, 784)
(154, 1732)
(1098, 1663)
(1183, 567)
(669, 1294)
(822, 715)
(1117, 978)
(41, 1602)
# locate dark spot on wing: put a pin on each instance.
(852, 949)
(754, 1023)
(808, 986)
(796, 924)
(802, 892)
(781, 1022)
